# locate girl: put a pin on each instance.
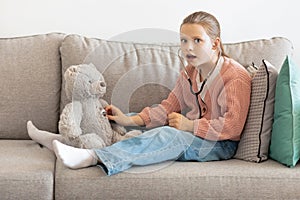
(214, 92)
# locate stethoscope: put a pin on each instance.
(197, 94)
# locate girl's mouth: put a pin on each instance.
(190, 56)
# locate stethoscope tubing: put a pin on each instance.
(196, 94)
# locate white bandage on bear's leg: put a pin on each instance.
(44, 138)
(74, 158)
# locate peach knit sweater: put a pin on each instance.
(226, 96)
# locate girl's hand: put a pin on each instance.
(180, 122)
(115, 114)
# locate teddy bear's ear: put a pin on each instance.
(92, 65)
(71, 71)
(73, 68)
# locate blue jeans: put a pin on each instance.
(162, 144)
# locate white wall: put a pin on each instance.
(110, 19)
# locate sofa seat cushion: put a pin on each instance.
(231, 179)
(27, 170)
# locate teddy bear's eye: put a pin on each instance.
(90, 81)
(102, 84)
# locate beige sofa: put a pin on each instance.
(137, 75)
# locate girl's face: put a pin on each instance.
(196, 46)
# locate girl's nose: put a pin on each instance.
(190, 46)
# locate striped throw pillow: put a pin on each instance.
(255, 139)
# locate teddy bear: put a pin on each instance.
(83, 122)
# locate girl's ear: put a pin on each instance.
(216, 44)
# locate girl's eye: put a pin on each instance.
(197, 40)
(183, 40)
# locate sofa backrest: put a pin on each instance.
(140, 75)
(30, 84)
(274, 50)
(137, 75)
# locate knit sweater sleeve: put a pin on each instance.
(234, 101)
(158, 115)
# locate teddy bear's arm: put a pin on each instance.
(120, 130)
(70, 119)
(103, 103)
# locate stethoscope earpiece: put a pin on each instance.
(182, 64)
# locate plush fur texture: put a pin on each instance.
(83, 122)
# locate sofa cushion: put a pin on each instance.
(27, 170)
(255, 139)
(140, 75)
(30, 83)
(231, 179)
(273, 50)
(136, 74)
(285, 141)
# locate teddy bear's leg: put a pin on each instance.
(118, 128)
(118, 137)
(69, 123)
(133, 133)
(91, 140)
(70, 119)
(44, 138)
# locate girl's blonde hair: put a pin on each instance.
(209, 23)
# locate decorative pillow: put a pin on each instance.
(255, 139)
(252, 69)
(285, 140)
